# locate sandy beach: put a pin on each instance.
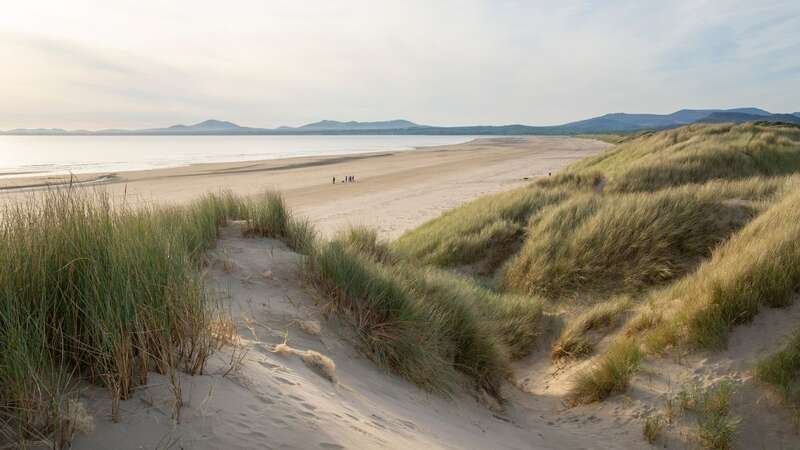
(394, 191)
(273, 400)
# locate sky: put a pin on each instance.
(83, 64)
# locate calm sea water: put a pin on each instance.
(46, 155)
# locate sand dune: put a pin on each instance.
(253, 396)
(275, 401)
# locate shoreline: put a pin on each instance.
(394, 191)
(289, 151)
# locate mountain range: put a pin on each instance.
(608, 123)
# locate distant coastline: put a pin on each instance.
(36, 157)
(608, 123)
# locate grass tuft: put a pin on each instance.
(610, 375)
(268, 216)
(782, 370)
(716, 428)
(652, 428)
(578, 338)
(365, 241)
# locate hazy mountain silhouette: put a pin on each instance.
(633, 122)
(607, 123)
(38, 131)
(206, 125)
(728, 116)
(334, 125)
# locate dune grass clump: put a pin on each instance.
(428, 326)
(97, 290)
(610, 375)
(514, 321)
(578, 338)
(697, 154)
(393, 330)
(268, 216)
(94, 290)
(587, 181)
(716, 428)
(301, 236)
(365, 241)
(759, 266)
(782, 370)
(487, 228)
(652, 428)
(623, 243)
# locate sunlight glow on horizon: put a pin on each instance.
(127, 64)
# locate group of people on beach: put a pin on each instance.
(346, 179)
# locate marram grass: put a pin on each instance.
(91, 290)
(429, 326)
(699, 222)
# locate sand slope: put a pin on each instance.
(276, 401)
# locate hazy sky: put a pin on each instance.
(138, 63)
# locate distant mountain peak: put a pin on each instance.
(751, 110)
(352, 125)
(207, 125)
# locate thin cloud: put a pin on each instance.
(108, 64)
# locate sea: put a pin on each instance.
(25, 156)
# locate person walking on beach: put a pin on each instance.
(334, 180)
